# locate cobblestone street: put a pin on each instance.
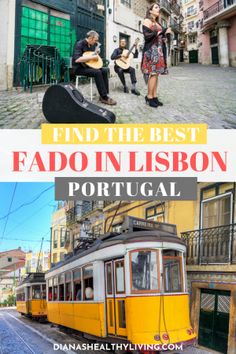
(190, 93)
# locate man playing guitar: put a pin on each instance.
(89, 44)
(118, 55)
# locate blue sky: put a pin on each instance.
(31, 206)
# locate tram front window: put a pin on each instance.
(36, 292)
(144, 271)
(172, 271)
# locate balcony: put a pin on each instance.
(213, 10)
(174, 25)
(78, 212)
(215, 245)
(175, 8)
(165, 6)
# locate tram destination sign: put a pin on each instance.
(136, 224)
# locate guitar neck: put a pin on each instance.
(131, 49)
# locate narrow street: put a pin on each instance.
(20, 335)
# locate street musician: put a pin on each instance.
(122, 58)
(87, 62)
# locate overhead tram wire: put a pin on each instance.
(9, 211)
(26, 204)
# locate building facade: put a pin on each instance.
(211, 266)
(11, 265)
(218, 32)
(36, 262)
(47, 23)
(190, 31)
(59, 234)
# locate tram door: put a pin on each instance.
(115, 297)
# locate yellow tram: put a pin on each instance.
(129, 287)
(31, 296)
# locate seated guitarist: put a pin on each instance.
(100, 75)
(117, 54)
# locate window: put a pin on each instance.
(44, 291)
(68, 287)
(88, 283)
(55, 238)
(216, 211)
(172, 271)
(61, 287)
(20, 295)
(190, 10)
(109, 278)
(144, 275)
(63, 237)
(36, 292)
(77, 285)
(156, 213)
(190, 25)
(126, 3)
(120, 277)
(192, 39)
(9, 259)
(50, 290)
(55, 289)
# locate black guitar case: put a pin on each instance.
(63, 103)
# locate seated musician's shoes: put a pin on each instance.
(108, 101)
(135, 92)
(126, 90)
(159, 103)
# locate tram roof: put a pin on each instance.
(33, 278)
(114, 239)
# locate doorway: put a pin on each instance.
(214, 319)
(115, 297)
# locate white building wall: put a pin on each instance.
(121, 19)
(7, 32)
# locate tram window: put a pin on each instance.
(172, 271)
(50, 290)
(61, 287)
(120, 279)
(88, 283)
(68, 287)
(43, 291)
(20, 296)
(144, 275)
(55, 290)
(77, 285)
(109, 278)
(36, 292)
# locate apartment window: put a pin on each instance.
(190, 25)
(192, 39)
(63, 237)
(9, 259)
(156, 213)
(190, 10)
(126, 3)
(217, 211)
(55, 239)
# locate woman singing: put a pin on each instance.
(153, 62)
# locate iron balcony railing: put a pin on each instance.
(175, 8)
(213, 9)
(75, 214)
(215, 245)
(174, 25)
(165, 5)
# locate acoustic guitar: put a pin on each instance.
(127, 56)
(94, 64)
